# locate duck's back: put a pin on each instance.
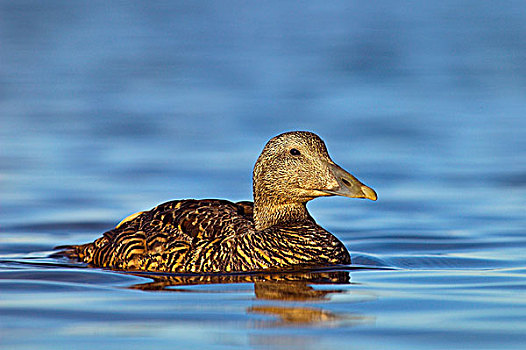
(169, 236)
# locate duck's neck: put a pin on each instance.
(269, 214)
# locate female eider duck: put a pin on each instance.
(212, 235)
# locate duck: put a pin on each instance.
(274, 232)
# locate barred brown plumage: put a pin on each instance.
(213, 235)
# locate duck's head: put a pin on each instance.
(294, 168)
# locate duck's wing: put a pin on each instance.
(166, 236)
(194, 220)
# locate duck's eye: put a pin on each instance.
(295, 152)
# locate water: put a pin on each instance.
(107, 108)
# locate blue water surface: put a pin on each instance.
(107, 108)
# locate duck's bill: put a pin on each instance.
(349, 186)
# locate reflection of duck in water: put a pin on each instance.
(290, 285)
(210, 235)
(285, 296)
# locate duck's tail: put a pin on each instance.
(73, 252)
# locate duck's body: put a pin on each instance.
(210, 235)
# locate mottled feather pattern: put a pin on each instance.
(210, 236)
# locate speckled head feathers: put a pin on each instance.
(294, 168)
(307, 141)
